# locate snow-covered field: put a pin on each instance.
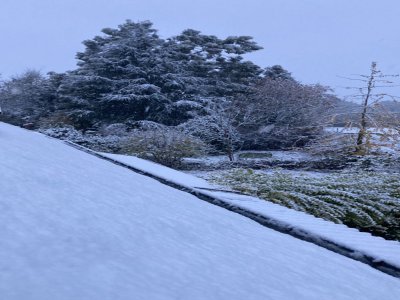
(76, 227)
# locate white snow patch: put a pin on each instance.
(161, 171)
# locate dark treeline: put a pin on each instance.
(130, 78)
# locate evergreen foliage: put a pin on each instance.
(27, 97)
(131, 73)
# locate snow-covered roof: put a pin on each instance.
(360, 243)
(74, 226)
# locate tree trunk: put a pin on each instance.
(360, 145)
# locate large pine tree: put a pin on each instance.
(130, 73)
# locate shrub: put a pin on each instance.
(166, 146)
(107, 143)
(66, 132)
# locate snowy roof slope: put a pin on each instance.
(164, 172)
(361, 242)
(73, 226)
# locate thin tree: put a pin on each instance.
(373, 114)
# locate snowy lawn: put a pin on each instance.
(76, 227)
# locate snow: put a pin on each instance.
(355, 130)
(189, 103)
(294, 156)
(362, 242)
(74, 226)
(161, 171)
(208, 160)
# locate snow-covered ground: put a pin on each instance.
(355, 130)
(294, 156)
(74, 226)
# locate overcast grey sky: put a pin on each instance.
(316, 40)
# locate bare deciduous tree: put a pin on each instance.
(285, 112)
(219, 128)
(373, 113)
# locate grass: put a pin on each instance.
(368, 201)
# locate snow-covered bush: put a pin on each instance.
(143, 125)
(118, 129)
(166, 146)
(218, 129)
(109, 143)
(365, 200)
(26, 98)
(66, 132)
